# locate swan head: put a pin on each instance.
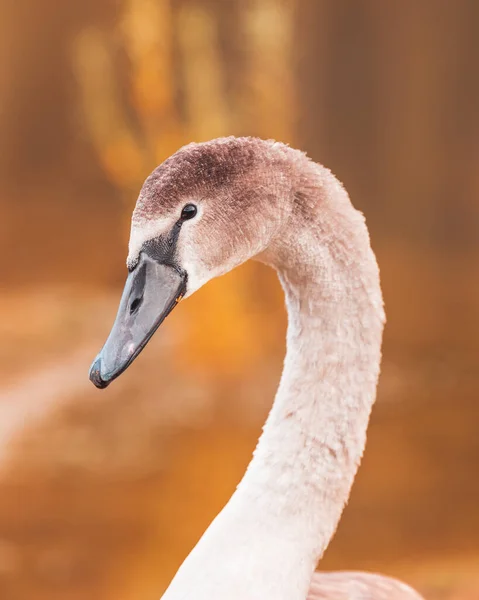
(204, 211)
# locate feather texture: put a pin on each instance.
(264, 200)
(351, 585)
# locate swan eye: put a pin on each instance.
(189, 211)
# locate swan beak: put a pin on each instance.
(151, 292)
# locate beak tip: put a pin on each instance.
(95, 374)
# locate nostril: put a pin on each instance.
(135, 304)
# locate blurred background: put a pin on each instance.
(102, 494)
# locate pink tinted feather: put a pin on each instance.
(351, 585)
(312, 444)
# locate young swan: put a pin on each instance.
(205, 210)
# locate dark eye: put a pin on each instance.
(188, 212)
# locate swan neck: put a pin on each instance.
(304, 465)
(267, 540)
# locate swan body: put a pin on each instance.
(345, 585)
(205, 210)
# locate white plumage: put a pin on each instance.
(263, 200)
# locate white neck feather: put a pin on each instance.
(266, 542)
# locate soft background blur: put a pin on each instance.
(102, 494)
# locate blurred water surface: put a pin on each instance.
(102, 494)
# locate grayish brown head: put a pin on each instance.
(205, 210)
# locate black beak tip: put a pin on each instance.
(95, 375)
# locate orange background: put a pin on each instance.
(102, 494)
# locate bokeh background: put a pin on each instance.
(102, 494)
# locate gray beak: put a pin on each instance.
(151, 292)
